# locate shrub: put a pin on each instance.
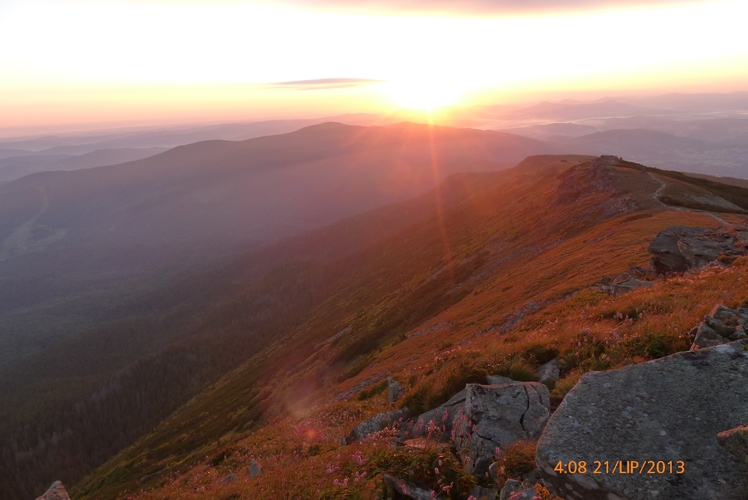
(540, 353)
(564, 385)
(653, 345)
(516, 369)
(450, 379)
(431, 469)
(514, 461)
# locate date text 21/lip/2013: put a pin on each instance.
(621, 467)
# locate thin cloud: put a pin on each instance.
(481, 7)
(325, 83)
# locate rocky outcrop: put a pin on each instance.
(736, 442)
(511, 322)
(649, 430)
(378, 423)
(621, 284)
(679, 248)
(721, 326)
(395, 390)
(55, 492)
(498, 416)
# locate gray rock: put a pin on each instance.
(725, 314)
(254, 469)
(679, 248)
(377, 423)
(228, 479)
(549, 373)
(406, 489)
(493, 473)
(55, 492)
(621, 284)
(706, 337)
(692, 333)
(395, 390)
(498, 380)
(526, 492)
(629, 285)
(720, 326)
(511, 322)
(738, 335)
(482, 493)
(666, 410)
(736, 442)
(498, 416)
(532, 477)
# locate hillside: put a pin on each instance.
(497, 279)
(115, 275)
(15, 167)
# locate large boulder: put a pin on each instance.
(679, 248)
(668, 411)
(55, 492)
(498, 416)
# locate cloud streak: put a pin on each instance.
(325, 83)
(480, 7)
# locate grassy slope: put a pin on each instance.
(459, 277)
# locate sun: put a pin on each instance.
(422, 95)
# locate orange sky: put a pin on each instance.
(131, 62)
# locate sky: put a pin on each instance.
(105, 62)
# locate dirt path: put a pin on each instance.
(656, 196)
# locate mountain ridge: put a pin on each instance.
(380, 326)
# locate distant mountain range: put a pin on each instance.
(260, 189)
(26, 155)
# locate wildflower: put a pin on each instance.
(436, 470)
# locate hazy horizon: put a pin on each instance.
(79, 65)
